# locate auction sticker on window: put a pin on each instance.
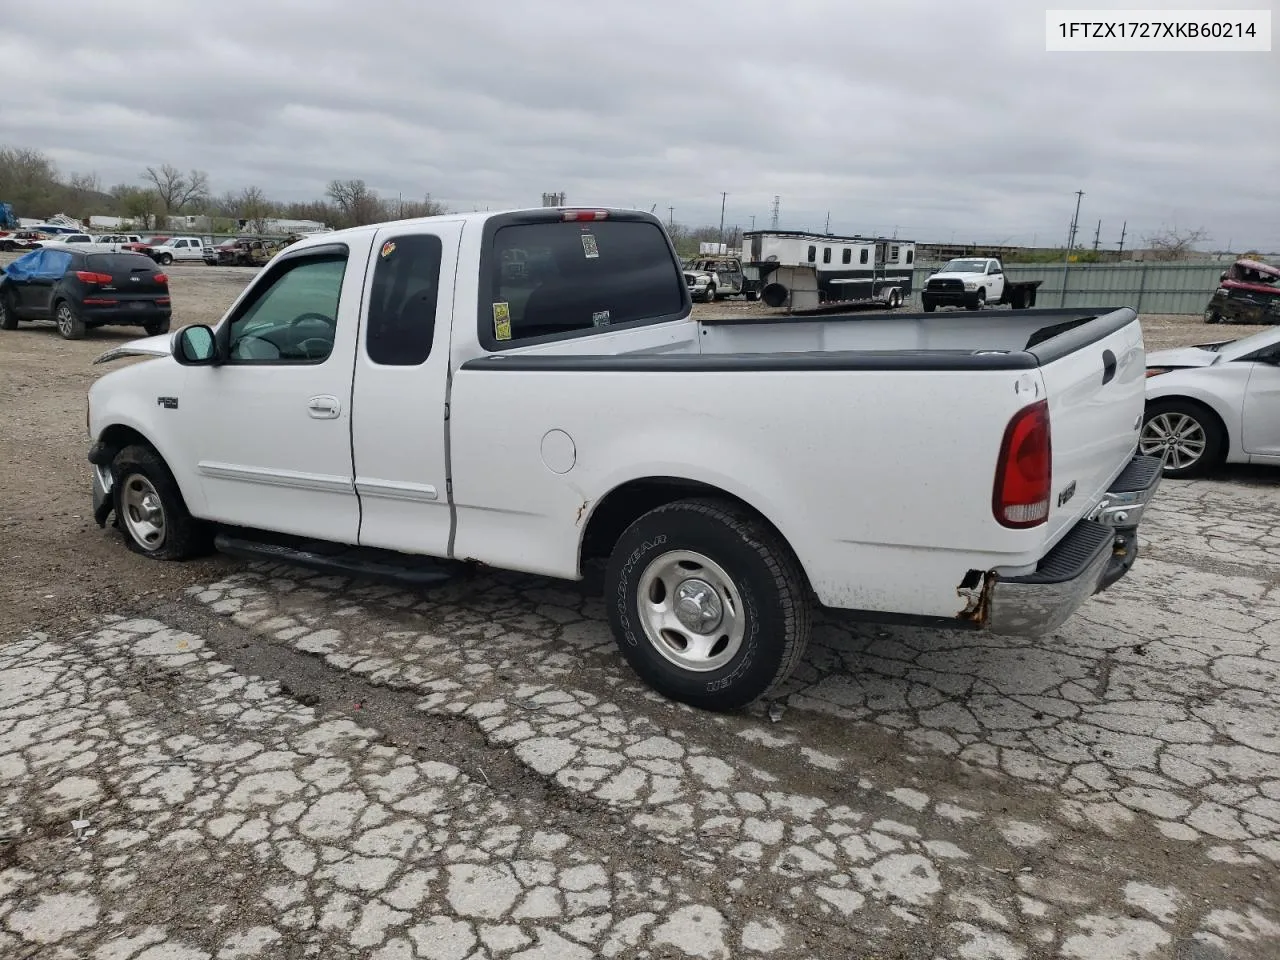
(600, 318)
(589, 248)
(502, 321)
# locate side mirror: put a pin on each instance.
(1222, 276)
(195, 346)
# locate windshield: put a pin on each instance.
(964, 266)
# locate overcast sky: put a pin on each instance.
(939, 119)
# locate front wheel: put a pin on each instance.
(1185, 434)
(707, 604)
(149, 507)
(753, 295)
(1213, 316)
(928, 307)
(980, 301)
(164, 259)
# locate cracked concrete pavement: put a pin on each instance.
(283, 764)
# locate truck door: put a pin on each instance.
(401, 387)
(268, 432)
(995, 281)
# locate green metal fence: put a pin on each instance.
(1147, 287)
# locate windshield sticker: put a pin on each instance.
(388, 249)
(589, 248)
(600, 318)
(502, 321)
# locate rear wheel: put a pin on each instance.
(150, 510)
(157, 327)
(707, 604)
(1187, 435)
(8, 313)
(895, 300)
(68, 320)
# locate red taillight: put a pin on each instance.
(88, 276)
(162, 301)
(584, 215)
(1024, 472)
(161, 279)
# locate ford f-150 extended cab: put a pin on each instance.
(388, 394)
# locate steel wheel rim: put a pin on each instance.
(1178, 437)
(143, 513)
(691, 611)
(64, 320)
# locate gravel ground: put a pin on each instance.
(221, 760)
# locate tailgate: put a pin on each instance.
(133, 275)
(1095, 377)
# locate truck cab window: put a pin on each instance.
(555, 278)
(402, 301)
(293, 316)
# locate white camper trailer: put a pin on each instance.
(811, 271)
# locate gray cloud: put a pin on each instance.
(937, 119)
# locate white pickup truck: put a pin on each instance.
(182, 249)
(399, 399)
(976, 283)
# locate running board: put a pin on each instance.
(363, 562)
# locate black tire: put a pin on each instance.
(8, 313)
(157, 327)
(979, 302)
(1177, 412)
(1213, 316)
(753, 295)
(70, 323)
(766, 587)
(183, 536)
(711, 294)
(164, 259)
(928, 307)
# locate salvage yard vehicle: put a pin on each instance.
(713, 278)
(183, 249)
(79, 288)
(240, 252)
(1249, 292)
(976, 283)
(1214, 403)
(806, 272)
(400, 400)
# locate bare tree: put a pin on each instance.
(83, 193)
(359, 204)
(1175, 244)
(141, 206)
(409, 209)
(175, 189)
(29, 181)
(252, 206)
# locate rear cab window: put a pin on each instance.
(545, 279)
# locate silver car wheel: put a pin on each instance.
(143, 512)
(691, 611)
(1178, 438)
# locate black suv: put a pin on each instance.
(79, 290)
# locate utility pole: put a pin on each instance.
(753, 222)
(1123, 230)
(671, 217)
(722, 199)
(1075, 221)
(1097, 235)
(776, 201)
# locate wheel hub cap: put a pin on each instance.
(697, 606)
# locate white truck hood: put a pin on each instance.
(157, 346)
(965, 277)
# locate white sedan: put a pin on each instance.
(1214, 403)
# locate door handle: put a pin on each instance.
(1108, 366)
(324, 408)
